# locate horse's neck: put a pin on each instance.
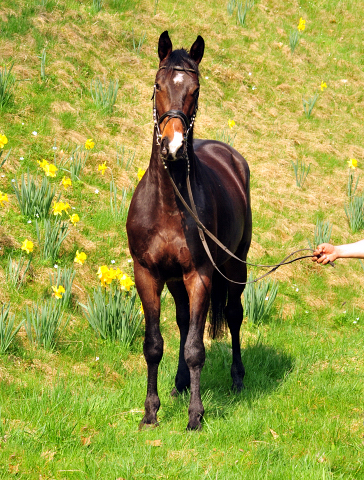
(160, 179)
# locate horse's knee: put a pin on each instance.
(195, 354)
(153, 348)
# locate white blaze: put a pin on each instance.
(176, 143)
(178, 78)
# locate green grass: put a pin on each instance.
(73, 413)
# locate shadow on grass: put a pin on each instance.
(265, 367)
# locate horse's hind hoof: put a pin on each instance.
(237, 388)
(193, 426)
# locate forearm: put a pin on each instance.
(352, 250)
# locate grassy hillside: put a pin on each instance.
(73, 412)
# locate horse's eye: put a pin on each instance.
(157, 86)
(196, 92)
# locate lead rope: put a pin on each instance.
(202, 230)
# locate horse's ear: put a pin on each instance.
(164, 46)
(197, 49)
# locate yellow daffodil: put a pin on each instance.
(66, 182)
(74, 218)
(231, 123)
(3, 141)
(50, 170)
(352, 163)
(141, 311)
(58, 208)
(323, 86)
(102, 168)
(3, 198)
(301, 25)
(27, 246)
(58, 292)
(43, 164)
(140, 174)
(104, 275)
(125, 282)
(89, 144)
(80, 257)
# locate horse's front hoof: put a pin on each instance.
(148, 424)
(194, 426)
(238, 388)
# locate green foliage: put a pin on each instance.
(76, 161)
(225, 136)
(137, 44)
(34, 201)
(64, 277)
(43, 323)
(293, 40)
(119, 209)
(354, 211)
(243, 10)
(5, 157)
(322, 233)
(114, 314)
(352, 184)
(50, 241)
(97, 5)
(7, 82)
(104, 96)
(17, 270)
(124, 159)
(259, 298)
(7, 331)
(42, 64)
(231, 6)
(300, 171)
(309, 104)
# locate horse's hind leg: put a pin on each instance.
(234, 317)
(179, 293)
(149, 290)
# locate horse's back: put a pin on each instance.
(228, 164)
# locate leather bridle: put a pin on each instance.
(186, 122)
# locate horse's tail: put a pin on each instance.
(219, 292)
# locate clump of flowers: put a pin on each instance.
(66, 182)
(48, 168)
(58, 292)
(140, 173)
(89, 144)
(59, 207)
(102, 168)
(80, 257)
(3, 141)
(3, 198)
(107, 275)
(27, 246)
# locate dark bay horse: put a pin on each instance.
(164, 239)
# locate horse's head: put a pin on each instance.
(176, 95)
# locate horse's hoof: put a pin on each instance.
(145, 425)
(238, 388)
(194, 426)
(174, 392)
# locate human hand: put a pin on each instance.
(325, 253)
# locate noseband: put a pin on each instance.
(186, 122)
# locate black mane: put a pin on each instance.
(180, 58)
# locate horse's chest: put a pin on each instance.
(164, 245)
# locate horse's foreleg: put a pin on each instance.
(198, 288)
(149, 290)
(179, 293)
